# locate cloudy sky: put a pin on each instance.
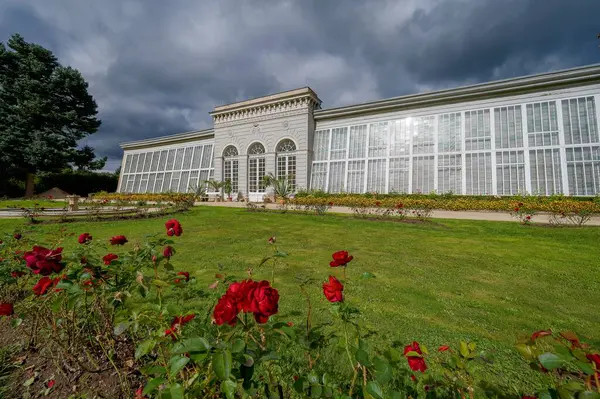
(158, 67)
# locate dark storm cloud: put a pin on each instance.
(157, 68)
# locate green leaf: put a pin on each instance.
(153, 384)
(316, 391)
(160, 283)
(176, 363)
(238, 345)
(464, 349)
(550, 361)
(16, 322)
(367, 275)
(144, 348)
(584, 367)
(299, 385)
(413, 354)
(169, 266)
(383, 370)
(472, 346)
(424, 350)
(30, 380)
(588, 395)
(526, 351)
(564, 393)
(222, 364)
(313, 378)
(121, 327)
(280, 254)
(374, 389)
(229, 387)
(176, 391)
(362, 357)
(198, 344)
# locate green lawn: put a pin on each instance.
(30, 203)
(438, 283)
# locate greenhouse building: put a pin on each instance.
(535, 134)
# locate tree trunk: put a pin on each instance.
(29, 185)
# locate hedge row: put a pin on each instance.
(155, 197)
(556, 205)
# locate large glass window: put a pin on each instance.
(378, 139)
(358, 142)
(479, 173)
(376, 172)
(399, 175)
(231, 167)
(542, 124)
(423, 174)
(508, 127)
(478, 133)
(318, 176)
(423, 135)
(510, 172)
(321, 145)
(356, 177)
(449, 174)
(450, 132)
(337, 173)
(579, 120)
(339, 141)
(544, 168)
(286, 161)
(583, 170)
(256, 168)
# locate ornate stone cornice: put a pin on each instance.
(289, 103)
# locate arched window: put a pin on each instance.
(256, 168)
(286, 161)
(231, 167)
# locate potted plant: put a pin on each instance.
(227, 188)
(215, 186)
(282, 188)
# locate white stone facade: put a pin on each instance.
(536, 135)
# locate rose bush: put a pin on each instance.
(134, 313)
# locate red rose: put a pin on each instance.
(528, 217)
(177, 322)
(340, 258)
(272, 240)
(443, 348)
(333, 290)
(50, 196)
(540, 334)
(241, 293)
(118, 240)
(184, 274)
(109, 258)
(6, 309)
(595, 358)
(18, 236)
(226, 311)
(44, 284)
(17, 274)
(516, 209)
(83, 260)
(173, 228)
(51, 384)
(330, 203)
(168, 251)
(44, 261)
(139, 393)
(377, 203)
(520, 204)
(265, 301)
(416, 363)
(84, 238)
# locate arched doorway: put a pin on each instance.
(256, 171)
(286, 161)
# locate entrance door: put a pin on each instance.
(256, 174)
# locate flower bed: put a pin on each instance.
(146, 197)
(564, 210)
(125, 307)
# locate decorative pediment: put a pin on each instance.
(282, 104)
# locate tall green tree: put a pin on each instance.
(45, 109)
